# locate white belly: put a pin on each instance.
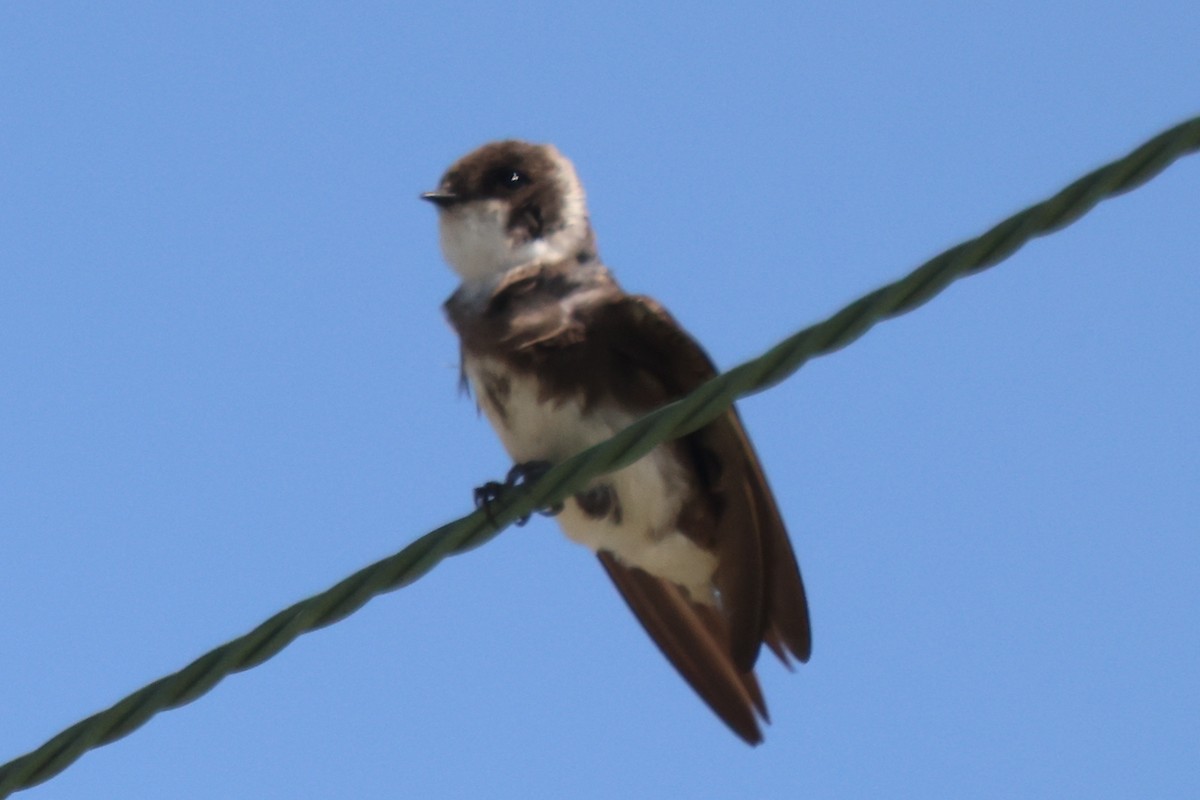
(650, 491)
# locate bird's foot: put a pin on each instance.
(520, 475)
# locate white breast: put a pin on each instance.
(650, 491)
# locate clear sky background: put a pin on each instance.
(225, 383)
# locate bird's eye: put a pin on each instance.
(507, 180)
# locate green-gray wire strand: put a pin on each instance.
(676, 419)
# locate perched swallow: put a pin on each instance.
(560, 358)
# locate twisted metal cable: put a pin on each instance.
(674, 420)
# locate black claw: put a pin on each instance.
(551, 511)
(532, 472)
(526, 472)
(487, 494)
(520, 475)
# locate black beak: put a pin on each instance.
(440, 198)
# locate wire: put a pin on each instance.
(674, 420)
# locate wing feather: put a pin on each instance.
(693, 639)
(761, 594)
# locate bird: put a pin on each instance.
(559, 357)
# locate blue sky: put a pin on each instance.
(227, 384)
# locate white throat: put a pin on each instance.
(478, 246)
